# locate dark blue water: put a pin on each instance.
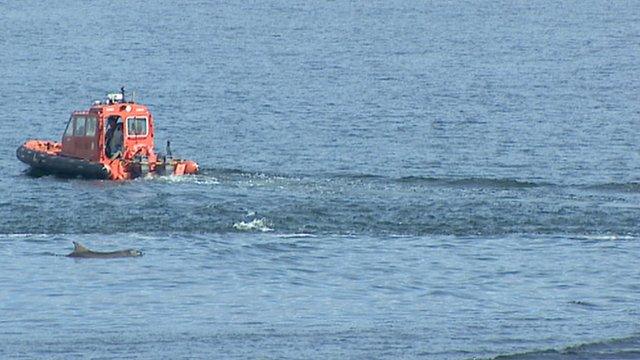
(393, 179)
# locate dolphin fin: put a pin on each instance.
(79, 248)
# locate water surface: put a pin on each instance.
(379, 180)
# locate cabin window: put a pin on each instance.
(91, 126)
(137, 126)
(69, 130)
(79, 127)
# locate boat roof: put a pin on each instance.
(116, 109)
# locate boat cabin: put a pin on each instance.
(110, 130)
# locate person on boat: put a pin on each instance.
(110, 127)
(116, 143)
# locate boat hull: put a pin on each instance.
(50, 162)
(46, 157)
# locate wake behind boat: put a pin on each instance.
(111, 140)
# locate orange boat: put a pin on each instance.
(112, 140)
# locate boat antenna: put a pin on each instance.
(122, 92)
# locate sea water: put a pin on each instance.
(379, 179)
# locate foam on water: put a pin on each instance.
(611, 237)
(262, 225)
(296, 236)
(192, 179)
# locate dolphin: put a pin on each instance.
(80, 251)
